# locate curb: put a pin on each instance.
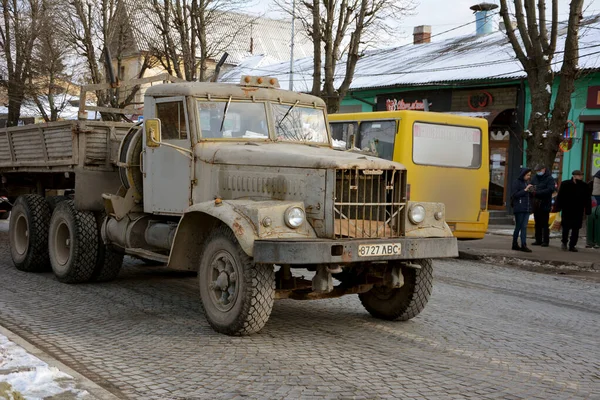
(95, 391)
(507, 259)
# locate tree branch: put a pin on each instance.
(512, 37)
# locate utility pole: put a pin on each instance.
(292, 45)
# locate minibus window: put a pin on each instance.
(377, 137)
(446, 145)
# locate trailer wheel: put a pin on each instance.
(73, 243)
(28, 233)
(405, 302)
(237, 295)
(109, 261)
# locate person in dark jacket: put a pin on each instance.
(522, 194)
(543, 188)
(574, 199)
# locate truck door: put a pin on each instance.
(167, 177)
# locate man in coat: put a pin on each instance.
(574, 199)
(543, 188)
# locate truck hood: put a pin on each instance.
(287, 155)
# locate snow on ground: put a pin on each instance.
(24, 375)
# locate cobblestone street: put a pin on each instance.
(488, 332)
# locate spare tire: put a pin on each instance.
(129, 159)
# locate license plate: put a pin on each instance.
(379, 250)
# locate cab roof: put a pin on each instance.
(225, 90)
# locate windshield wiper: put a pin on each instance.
(225, 114)
(288, 113)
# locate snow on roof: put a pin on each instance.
(231, 32)
(465, 58)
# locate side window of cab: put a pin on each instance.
(172, 120)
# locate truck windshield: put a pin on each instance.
(296, 123)
(233, 119)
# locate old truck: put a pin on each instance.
(237, 182)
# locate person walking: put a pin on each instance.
(573, 200)
(543, 188)
(521, 203)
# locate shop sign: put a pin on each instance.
(394, 105)
(420, 100)
(480, 101)
(596, 156)
(593, 98)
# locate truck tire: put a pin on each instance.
(108, 261)
(405, 302)
(54, 200)
(28, 233)
(108, 264)
(73, 243)
(237, 295)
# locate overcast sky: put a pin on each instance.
(442, 15)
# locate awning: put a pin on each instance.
(489, 115)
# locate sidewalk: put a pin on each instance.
(497, 244)
(26, 372)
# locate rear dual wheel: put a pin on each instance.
(28, 233)
(77, 253)
(72, 243)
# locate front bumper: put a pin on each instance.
(319, 251)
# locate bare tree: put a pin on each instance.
(535, 48)
(18, 33)
(192, 32)
(49, 83)
(90, 28)
(211, 16)
(340, 31)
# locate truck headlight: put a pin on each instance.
(294, 217)
(416, 214)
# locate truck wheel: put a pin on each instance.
(73, 243)
(108, 262)
(405, 302)
(108, 265)
(28, 233)
(237, 295)
(54, 200)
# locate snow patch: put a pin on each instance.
(32, 378)
(339, 144)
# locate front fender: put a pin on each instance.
(247, 219)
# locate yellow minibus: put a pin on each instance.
(446, 155)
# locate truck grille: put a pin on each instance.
(369, 203)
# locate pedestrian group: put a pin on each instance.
(534, 195)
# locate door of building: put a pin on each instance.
(498, 174)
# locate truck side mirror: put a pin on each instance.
(153, 133)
